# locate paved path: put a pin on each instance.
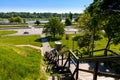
(30, 31)
(45, 44)
(38, 31)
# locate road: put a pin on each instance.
(38, 31)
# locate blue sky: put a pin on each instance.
(59, 6)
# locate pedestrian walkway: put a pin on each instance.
(45, 44)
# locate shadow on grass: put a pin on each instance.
(48, 39)
(52, 39)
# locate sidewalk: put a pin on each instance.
(45, 44)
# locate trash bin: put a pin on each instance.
(58, 45)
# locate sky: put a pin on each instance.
(54, 6)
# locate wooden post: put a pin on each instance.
(95, 70)
(77, 70)
(69, 59)
(58, 59)
(62, 59)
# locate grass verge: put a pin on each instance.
(19, 26)
(17, 40)
(5, 32)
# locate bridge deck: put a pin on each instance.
(89, 66)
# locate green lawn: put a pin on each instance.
(5, 32)
(66, 43)
(98, 44)
(20, 63)
(19, 26)
(17, 40)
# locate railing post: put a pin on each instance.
(69, 59)
(77, 70)
(62, 60)
(95, 70)
(58, 59)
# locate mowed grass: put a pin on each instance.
(10, 26)
(99, 44)
(20, 63)
(19, 40)
(65, 43)
(5, 32)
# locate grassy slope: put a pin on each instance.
(4, 32)
(20, 63)
(16, 40)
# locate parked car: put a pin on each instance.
(26, 32)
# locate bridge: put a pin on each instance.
(79, 68)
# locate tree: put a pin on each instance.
(68, 22)
(18, 19)
(11, 20)
(84, 42)
(54, 26)
(37, 22)
(105, 15)
(89, 22)
(70, 16)
(76, 19)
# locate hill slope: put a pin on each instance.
(20, 63)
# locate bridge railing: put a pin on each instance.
(70, 57)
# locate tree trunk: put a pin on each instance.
(92, 44)
(107, 46)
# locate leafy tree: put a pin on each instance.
(11, 20)
(89, 22)
(68, 22)
(84, 42)
(18, 19)
(76, 19)
(70, 16)
(54, 26)
(105, 14)
(24, 20)
(37, 22)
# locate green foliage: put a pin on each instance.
(17, 19)
(54, 27)
(20, 63)
(1, 19)
(3, 32)
(102, 15)
(37, 22)
(70, 16)
(36, 15)
(68, 22)
(84, 21)
(84, 41)
(76, 19)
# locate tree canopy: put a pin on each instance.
(102, 15)
(54, 26)
(68, 22)
(17, 19)
(37, 22)
(37, 15)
